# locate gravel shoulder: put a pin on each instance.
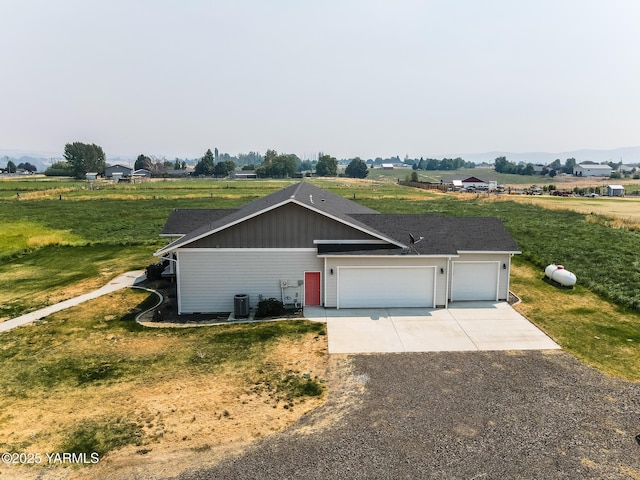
(472, 415)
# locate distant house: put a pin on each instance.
(117, 171)
(244, 174)
(587, 170)
(627, 168)
(387, 166)
(142, 172)
(615, 191)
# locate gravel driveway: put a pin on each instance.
(472, 415)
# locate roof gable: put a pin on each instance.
(304, 194)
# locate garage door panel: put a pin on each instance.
(385, 287)
(474, 281)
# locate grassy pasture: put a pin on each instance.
(90, 379)
(112, 218)
(615, 212)
(143, 394)
(598, 332)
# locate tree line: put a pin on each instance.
(13, 168)
(82, 158)
(502, 165)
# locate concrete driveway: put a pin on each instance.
(468, 326)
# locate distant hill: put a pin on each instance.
(627, 155)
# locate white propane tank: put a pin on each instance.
(557, 273)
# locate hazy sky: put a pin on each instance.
(350, 78)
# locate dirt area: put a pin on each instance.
(187, 418)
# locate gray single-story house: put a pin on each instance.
(307, 246)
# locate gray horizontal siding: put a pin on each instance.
(209, 279)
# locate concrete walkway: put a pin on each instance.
(468, 326)
(123, 281)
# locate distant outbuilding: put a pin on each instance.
(118, 171)
(589, 170)
(615, 191)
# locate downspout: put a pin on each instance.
(446, 288)
(324, 281)
(178, 277)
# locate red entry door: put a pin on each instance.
(312, 288)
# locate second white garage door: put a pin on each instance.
(475, 281)
(378, 287)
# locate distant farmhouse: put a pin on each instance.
(471, 183)
(587, 170)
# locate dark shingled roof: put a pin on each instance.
(184, 220)
(440, 235)
(443, 235)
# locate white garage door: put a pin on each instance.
(377, 287)
(475, 281)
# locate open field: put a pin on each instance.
(619, 212)
(90, 379)
(92, 375)
(129, 217)
(567, 182)
(596, 331)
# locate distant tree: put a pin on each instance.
(11, 167)
(142, 162)
(28, 167)
(248, 167)
(177, 165)
(555, 165)
(414, 177)
(432, 164)
(500, 163)
(305, 166)
(59, 169)
(552, 173)
(215, 153)
(251, 158)
(221, 169)
(528, 170)
(357, 168)
(327, 166)
(205, 164)
(568, 165)
(84, 157)
(231, 166)
(278, 166)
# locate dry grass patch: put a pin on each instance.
(90, 379)
(613, 212)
